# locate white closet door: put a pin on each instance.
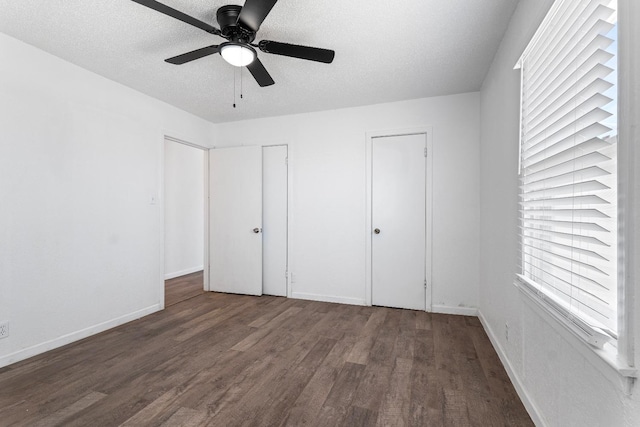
(235, 237)
(398, 221)
(274, 220)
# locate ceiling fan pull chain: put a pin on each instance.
(234, 88)
(241, 82)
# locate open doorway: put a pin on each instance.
(184, 220)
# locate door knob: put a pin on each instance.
(377, 231)
(256, 230)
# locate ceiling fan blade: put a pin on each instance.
(193, 55)
(253, 13)
(159, 7)
(260, 73)
(297, 51)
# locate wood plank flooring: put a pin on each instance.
(233, 360)
(182, 288)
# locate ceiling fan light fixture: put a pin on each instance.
(237, 54)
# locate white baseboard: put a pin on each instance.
(327, 298)
(532, 409)
(462, 311)
(175, 274)
(74, 336)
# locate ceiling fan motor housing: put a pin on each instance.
(227, 17)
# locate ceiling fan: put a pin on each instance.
(239, 26)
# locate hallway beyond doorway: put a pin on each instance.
(182, 288)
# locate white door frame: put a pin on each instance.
(428, 132)
(167, 137)
(290, 216)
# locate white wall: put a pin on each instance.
(557, 376)
(80, 160)
(183, 209)
(327, 163)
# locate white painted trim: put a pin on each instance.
(183, 272)
(250, 142)
(328, 298)
(205, 251)
(183, 142)
(447, 309)
(290, 217)
(162, 148)
(628, 163)
(561, 311)
(428, 132)
(604, 360)
(529, 404)
(75, 336)
(429, 219)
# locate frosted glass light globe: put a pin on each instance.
(237, 55)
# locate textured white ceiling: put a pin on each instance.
(385, 50)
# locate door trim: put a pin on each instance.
(428, 132)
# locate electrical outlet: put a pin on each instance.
(4, 329)
(506, 331)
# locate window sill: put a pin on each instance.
(605, 359)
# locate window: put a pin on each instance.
(568, 167)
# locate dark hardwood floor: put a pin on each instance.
(182, 288)
(231, 360)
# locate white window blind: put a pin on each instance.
(568, 170)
